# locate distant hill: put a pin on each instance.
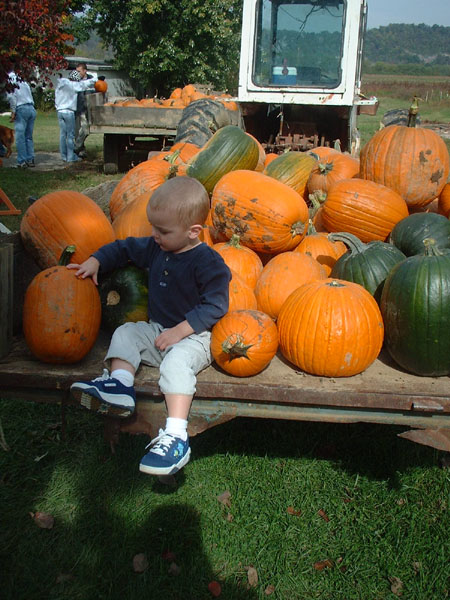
(408, 44)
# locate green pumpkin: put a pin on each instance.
(292, 169)
(229, 149)
(415, 305)
(409, 233)
(124, 297)
(366, 264)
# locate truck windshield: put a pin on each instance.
(299, 43)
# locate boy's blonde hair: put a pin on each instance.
(185, 196)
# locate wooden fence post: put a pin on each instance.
(6, 297)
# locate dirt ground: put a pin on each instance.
(45, 161)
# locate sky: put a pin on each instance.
(430, 12)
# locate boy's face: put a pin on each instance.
(169, 233)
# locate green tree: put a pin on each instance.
(163, 44)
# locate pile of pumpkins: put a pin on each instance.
(331, 256)
(179, 98)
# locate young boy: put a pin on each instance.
(188, 294)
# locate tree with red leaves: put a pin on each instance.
(33, 36)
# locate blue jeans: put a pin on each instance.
(66, 120)
(23, 126)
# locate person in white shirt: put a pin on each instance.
(66, 93)
(23, 114)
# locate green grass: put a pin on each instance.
(386, 500)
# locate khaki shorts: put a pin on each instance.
(178, 364)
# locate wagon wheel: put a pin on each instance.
(200, 120)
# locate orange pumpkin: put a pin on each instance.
(444, 201)
(101, 86)
(413, 161)
(317, 245)
(242, 296)
(269, 158)
(61, 314)
(331, 328)
(60, 219)
(282, 275)
(143, 178)
(132, 221)
(244, 261)
(323, 152)
(368, 210)
(176, 93)
(331, 169)
(243, 203)
(243, 342)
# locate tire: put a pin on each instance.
(200, 120)
(397, 116)
(110, 168)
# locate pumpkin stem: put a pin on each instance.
(297, 228)
(317, 198)
(325, 167)
(355, 245)
(413, 111)
(311, 229)
(431, 249)
(66, 255)
(234, 241)
(235, 347)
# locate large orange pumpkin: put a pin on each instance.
(368, 210)
(282, 275)
(413, 161)
(61, 314)
(132, 221)
(143, 178)
(331, 328)
(60, 219)
(268, 215)
(244, 261)
(243, 342)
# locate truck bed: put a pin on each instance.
(382, 394)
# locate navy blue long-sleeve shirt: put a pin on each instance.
(191, 285)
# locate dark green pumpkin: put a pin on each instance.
(366, 264)
(124, 297)
(293, 169)
(415, 305)
(409, 233)
(229, 149)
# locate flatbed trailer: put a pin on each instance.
(382, 394)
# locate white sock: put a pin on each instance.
(123, 376)
(177, 427)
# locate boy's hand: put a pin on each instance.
(171, 336)
(89, 268)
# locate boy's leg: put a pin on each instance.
(170, 450)
(114, 394)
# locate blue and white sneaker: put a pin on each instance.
(105, 395)
(167, 455)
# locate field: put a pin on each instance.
(267, 508)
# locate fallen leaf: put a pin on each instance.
(140, 563)
(269, 590)
(291, 511)
(229, 517)
(252, 576)
(215, 588)
(43, 520)
(417, 566)
(320, 565)
(324, 515)
(224, 498)
(174, 569)
(396, 585)
(168, 555)
(401, 501)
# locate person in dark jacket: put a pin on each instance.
(188, 293)
(81, 116)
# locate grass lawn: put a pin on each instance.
(316, 510)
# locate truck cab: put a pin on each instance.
(300, 72)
